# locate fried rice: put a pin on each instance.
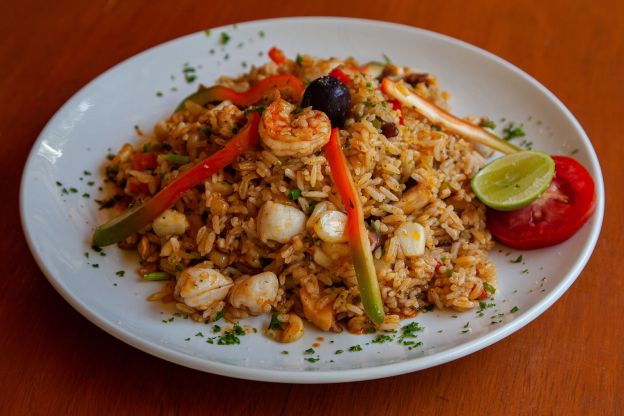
(408, 171)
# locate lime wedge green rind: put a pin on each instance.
(514, 181)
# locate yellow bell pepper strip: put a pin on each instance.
(141, 216)
(356, 231)
(287, 82)
(445, 119)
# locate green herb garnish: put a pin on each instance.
(489, 288)
(224, 39)
(294, 194)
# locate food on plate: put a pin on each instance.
(346, 203)
(514, 181)
(555, 216)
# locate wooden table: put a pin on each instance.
(53, 361)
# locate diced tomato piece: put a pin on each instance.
(136, 188)
(396, 105)
(277, 55)
(144, 160)
(339, 74)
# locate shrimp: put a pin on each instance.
(296, 135)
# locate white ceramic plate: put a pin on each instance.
(103, 114)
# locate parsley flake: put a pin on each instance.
(517, 260)
(224, 39)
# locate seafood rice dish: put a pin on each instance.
(266, 233)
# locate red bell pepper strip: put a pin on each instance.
(139, 217)
(284, 83)
(277, 55)
(340, 75)
(445, 119)
(356, 231)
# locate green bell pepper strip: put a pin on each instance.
(356, 231)
(139, 217)
(445, 119)
(286, 82)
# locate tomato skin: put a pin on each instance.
(340, 75)
(555, 216)
(144, 160)
(277, 55)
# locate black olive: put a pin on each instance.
(329, 95)
(389, 130)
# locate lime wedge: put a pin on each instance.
(514, 181)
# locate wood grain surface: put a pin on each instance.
(567, 362)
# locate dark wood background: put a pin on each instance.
(53, 361)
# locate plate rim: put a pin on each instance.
(327, 376)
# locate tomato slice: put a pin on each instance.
(555, 216)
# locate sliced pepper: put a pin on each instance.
(356, 231)
(287, 82)
(139, 217)
(445, 119)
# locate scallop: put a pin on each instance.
(412, 237)
(255, 293)
(201, 286)
(279, 222)
(331, 227)
(170, 223)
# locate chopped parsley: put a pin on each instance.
(95, 265)
(312, 359)
(284, 352)
(216, 329)
(73, 190)
(512, 131)
(355, 348)
(228, 339)
(58, 183)
(159, 94)
(207, 32)
(525, 271)
(218, 316)
(120, 273)
(387, 60)
(514, 309)
(224, 39)
(294, 194)
(489, 287)
(299, 60)
(487, 123)
(381, 338)
(517, 260)
(408, 331)
(199, 334)
(189, 73)
(238, 330)
(309, 351)
(338, 352)
(86, 195)
(275, 324)
(261, 33)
